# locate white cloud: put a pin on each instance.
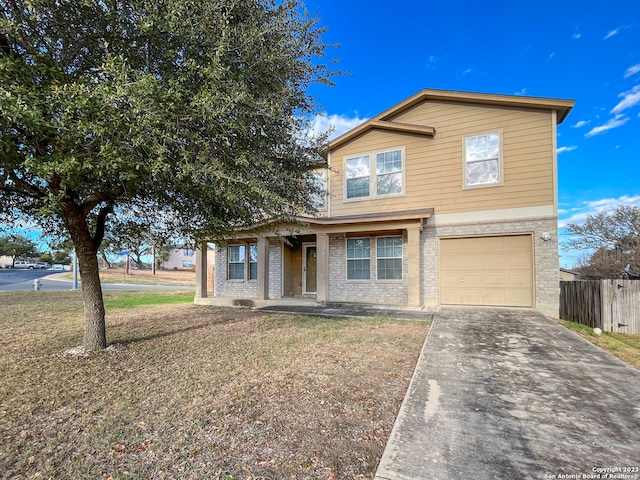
(629, 99)
(581, 123)
(611, 33)
(553, 54)
(597, 206)
(632, 70)
(521, 92)
(615, 122)
(339, 123)
(566, 149)
(468, 70)
(432, 62)
(576, 36)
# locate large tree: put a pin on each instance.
(17, 246)
(613, 240)
(198, 110)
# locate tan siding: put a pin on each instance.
(433, 166)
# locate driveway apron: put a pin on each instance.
(511, 394)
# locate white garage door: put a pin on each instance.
(487, 271)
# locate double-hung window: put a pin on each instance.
(389, 173)
(236, 262)
(253, 261)
(375, 175)
(319, 198)
(358, 254)
(358, 177)
(482, 162)
(389, 258)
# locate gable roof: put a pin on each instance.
(384, 120)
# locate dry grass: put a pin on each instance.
(144, 277)
(197, 392)
(625, 347)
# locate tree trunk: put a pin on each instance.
(153, 256)
(95, 333)
(86, 246)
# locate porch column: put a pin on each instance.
(201, 270)
(263, 269)
(322, 253)
(414, 267)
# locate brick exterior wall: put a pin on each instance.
(395, 292)
(231, 288)
(546, 261)
(392, 292)
(275, 268)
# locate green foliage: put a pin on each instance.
(136, 299)
(46, 257)
(17, 246)
(197, 110)
(61, 257)
(192, 116)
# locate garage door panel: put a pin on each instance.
(470, 262)
(451, 262)
(518, 260)
(493, 297)
(518, 297)
(450, 279)
(493, 261)
(494, 279)
(472, 296)
(450, 296)
(494, 270)
(519, 279)
(472, 279)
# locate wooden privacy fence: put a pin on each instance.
(611, 305)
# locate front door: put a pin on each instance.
(309, 268)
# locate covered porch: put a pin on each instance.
(309, 264)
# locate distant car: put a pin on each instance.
(57, 267)
(25, 264)
(43, 265)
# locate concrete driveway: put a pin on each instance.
(510, 394)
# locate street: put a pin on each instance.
(12, 280)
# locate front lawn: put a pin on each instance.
(196, 392)
(625, 347)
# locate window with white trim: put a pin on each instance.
(382, 176)
(253, 261)
(187, 264)
(236, 261)
(319, 199)
(358, 173)
(389, 173)
(358, 254)
(482, 160)
(389, 258)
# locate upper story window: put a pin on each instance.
(482, 160)
(385, 177)
(188, 252)
(389, 173)
(319, 180)
(358, 173)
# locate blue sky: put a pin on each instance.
(587, 51)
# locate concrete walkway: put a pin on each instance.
(511, 394)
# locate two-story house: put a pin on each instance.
(447, 198)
